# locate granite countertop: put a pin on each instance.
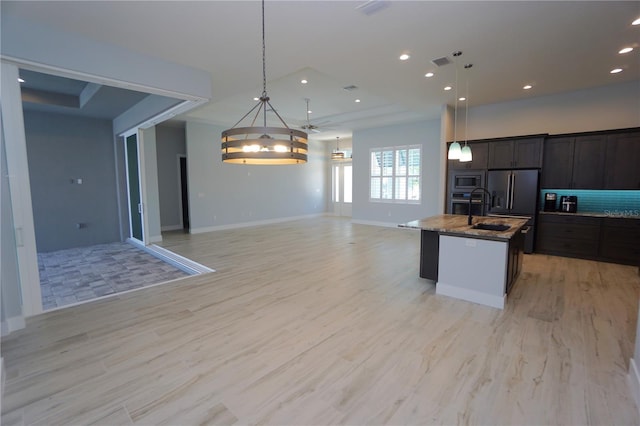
(452, 224)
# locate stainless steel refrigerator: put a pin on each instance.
(515, 193)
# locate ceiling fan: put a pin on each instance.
(309, 127)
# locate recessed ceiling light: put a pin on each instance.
(636, 22)
(527, 87)
(404, 57)
(429, 74)
(309, 112)
(303, 81)
(20, 80)
(357, 101)
(615, 70)
(447, 88)
(625, 50)
(462, 98)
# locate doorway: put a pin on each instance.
(184, 193)
(134, 190)
(341, 176)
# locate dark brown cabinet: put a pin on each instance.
(557, 166)
(588, 162)
(619, 240)
(479, 152)
(524, 153)
(569, 236)
(574, 162)
(429, 254)
(607, 239)
(622, 161)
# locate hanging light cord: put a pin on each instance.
(466, 115)
(455, 111)
(264, 100)
(264, 59)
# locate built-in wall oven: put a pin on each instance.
(461, 183)
(459, 203)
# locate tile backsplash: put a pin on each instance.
(614, 203)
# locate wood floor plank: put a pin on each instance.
(322, 321)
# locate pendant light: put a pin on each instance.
(337, 154)
(262, 144)
(455, 149)
(465, 152)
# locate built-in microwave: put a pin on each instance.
(466, 181)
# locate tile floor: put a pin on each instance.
(85, 273)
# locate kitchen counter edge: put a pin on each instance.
(456, 225)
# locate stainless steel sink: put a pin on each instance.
(491, 226)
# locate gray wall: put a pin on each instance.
(151, 199)
(425, 133)
(170, 143)
(616, 106)
(231, 194)
(61, 148)
(9, 275)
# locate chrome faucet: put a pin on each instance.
(469, 221)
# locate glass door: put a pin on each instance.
(133, 187)
(341, 188)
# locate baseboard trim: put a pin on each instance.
(633, 378)
(184, 264)
(155, 239)
(12, 324)
(171, 228)
(189, 266)
(254, 223)
(470, 295)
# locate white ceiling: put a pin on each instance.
(555, 46)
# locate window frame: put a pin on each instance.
(392, 175)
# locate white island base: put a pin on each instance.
(473, 269)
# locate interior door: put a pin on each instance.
(342, 188)
(133, 187)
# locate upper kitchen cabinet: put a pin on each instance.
(557, 166)
(521, 153)
(574, 162)
(479, 152)
(622, 161)
(588, 162)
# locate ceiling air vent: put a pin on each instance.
(439, 62)
(350, 88)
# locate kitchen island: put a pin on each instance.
(468, 262)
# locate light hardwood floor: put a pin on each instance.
(324, 322)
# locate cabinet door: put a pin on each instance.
(527, 153)
(588, 162)
(619, 242)
(622, 164)
(501, 154)
(557, 165)
(479, 152)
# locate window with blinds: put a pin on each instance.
(395, 174)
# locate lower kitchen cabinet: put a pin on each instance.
(429, 252)
(607, 239)
(568, 235)
(620, 240)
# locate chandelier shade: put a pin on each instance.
(263, 145)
